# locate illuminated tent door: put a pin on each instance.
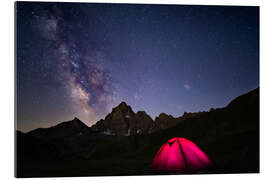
(180, 155)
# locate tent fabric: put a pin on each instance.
(180, 155)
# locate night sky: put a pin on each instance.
(83, 59)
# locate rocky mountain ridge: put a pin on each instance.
(123, 121)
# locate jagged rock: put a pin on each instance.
(164, 121)
(140, 123)
(99, 126)
(123, 121)
(117, 121)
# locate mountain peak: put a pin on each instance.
(123, 107)
(123, 103)
(63, 129)
(75, 124)
(76, 119)
(163, 115)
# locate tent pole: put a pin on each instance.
(182, 151)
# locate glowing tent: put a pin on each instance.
(181, 156)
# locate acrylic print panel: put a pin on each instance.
(132, 89)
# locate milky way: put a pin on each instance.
(79, 70)
(83, 75)
(87, 82)
(82, 59)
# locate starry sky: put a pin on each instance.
(83, 59)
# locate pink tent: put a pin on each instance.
(180, 155)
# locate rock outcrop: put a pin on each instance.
(164, 121)
(123, 121)
(141, 123)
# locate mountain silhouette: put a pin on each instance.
(123, 121)
(74, 127)
(125, 143)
